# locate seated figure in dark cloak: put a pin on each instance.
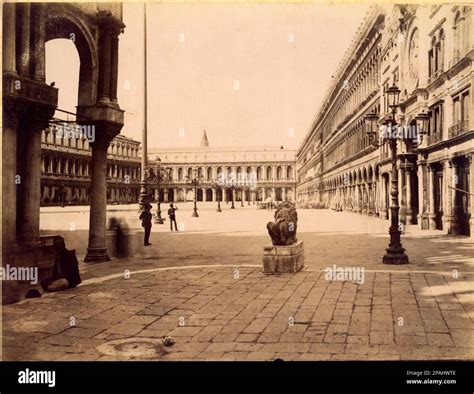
(65, 273)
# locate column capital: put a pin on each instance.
(109, 24)
(106, 119)
(452, 163)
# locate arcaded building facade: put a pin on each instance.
(427, 51)
(260, 173)
(66, 171)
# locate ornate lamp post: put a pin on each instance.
(218, 188)
(395, 253)
(232, 188)
(158, 175)
(195, 182)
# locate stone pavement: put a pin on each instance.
(206, 289)
(238, 313)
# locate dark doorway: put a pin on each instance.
(438, 198)
(199, 195)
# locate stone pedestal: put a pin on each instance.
(281, 259)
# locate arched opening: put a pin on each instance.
(278, 194)
(199, 195)
(208, 194)
(269, 173)
(247, 195)
(189, 195)
(268, 193)
(68, 32)
(170, 195)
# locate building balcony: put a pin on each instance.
(435, 75)
(459, 128)
(434, 138)
(460, 54)
(64, 176)
(384, 155)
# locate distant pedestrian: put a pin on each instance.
(172, 216)
(120, 229)
(145, 217)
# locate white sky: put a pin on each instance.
(191, 83)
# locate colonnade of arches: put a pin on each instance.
(259, 172)
(252, 195)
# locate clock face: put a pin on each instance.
(413, 62)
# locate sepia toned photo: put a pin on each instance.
(237, 182)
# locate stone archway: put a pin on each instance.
(94, 29)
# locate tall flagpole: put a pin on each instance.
(143, 183)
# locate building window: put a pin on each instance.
(435, 131)
(457, 34)
(461, 106)
(436, 55)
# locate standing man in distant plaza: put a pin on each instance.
(172, 216)
(145, 217)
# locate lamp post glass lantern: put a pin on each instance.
(422, 124)
(395, 253)
(393, 97)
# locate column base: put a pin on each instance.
(96, 255)
(424, 222)
(384, 214)
(402, 215)
(454, 225)
(283, 258)
(409, 216)
(31, 243)
(395, 256)
(432, 221)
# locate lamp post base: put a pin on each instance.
(219, 209)
(195, 214)
(158, 220)
(395, 256)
